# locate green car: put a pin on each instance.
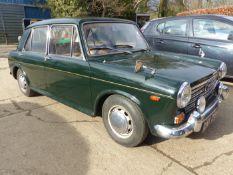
(104, 67)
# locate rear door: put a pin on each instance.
(67, 72)
(213, 39)
(33, 56)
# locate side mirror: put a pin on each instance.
(230, 36)
(19, 38)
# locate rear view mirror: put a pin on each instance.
(19, 38)
(230, 36)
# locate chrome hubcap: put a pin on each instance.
(120, 121)
(22, 83)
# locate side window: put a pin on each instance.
(28, 45)
(76, 44)
(60, 40)
(160, 28)
(176, 27)
(211, 29)
(39, 39)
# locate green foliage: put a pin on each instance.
(110, 8)
(67, 8)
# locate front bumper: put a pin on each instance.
(195, 121)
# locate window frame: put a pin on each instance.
(213, 19)
(30, 36)
(75, 27)
(156, 27)
(186, 30)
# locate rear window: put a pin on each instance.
(145, 26)
(212, 29)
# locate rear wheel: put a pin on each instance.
(23, 84)
(124, 121)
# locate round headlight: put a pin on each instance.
(222, 70)
(201, 104)
(184, 95)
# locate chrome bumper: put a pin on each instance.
(195, 121)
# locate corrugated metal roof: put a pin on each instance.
(31, 2)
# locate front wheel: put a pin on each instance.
(23, 84)
(124, 121)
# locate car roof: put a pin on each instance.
(194, 16)
(76, 21)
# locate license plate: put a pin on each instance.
(210, 120)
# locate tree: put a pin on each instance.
(67, 8)
(171, 7)
(110, 8)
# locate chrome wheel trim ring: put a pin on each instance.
(23, 83)
(120, 121)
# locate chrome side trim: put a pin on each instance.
(130, 87)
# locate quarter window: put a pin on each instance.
(176, 27)
(211, 29)
(39, 39)
(28, 45)
(60, 40)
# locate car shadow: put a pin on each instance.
(39, 141)
(222, 126)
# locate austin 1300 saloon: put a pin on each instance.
(104, 67)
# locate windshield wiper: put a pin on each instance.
(110, 48)
(123, 46)
(141, 50)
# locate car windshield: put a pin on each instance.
(107, 38)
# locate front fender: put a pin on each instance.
(106, 93)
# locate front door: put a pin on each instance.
(170, 36)
(68, 74)
(175, 36)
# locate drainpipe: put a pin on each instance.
(3, 26)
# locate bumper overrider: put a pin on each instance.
(195, 121)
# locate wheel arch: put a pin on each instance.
(14, 71)
(105, 94)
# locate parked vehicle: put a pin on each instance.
(104, 67)
(208, 36)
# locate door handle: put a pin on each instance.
(160, 41)
(47, 58)
(198, 46)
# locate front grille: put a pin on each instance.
(205, 88)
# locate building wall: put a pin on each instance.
(12, 13)
(31, 2)
(10, 23)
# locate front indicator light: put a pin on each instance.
(179, 118)
(154, 98)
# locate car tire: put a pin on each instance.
(124, 121)
(23, 84)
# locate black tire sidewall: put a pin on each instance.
(140, 128)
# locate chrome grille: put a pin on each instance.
(204, 88)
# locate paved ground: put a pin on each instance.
(43, 137)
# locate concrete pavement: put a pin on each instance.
(43, 137)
